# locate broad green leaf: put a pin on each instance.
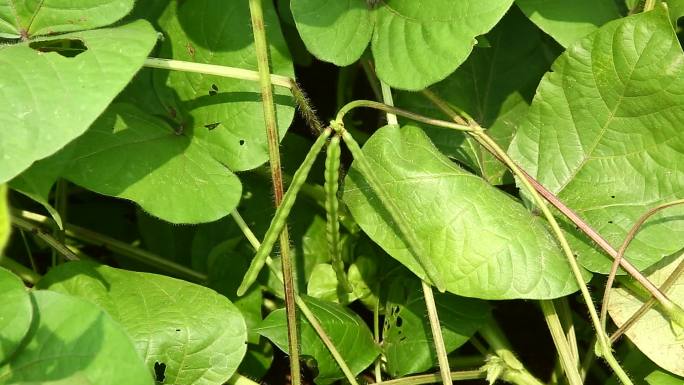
(60, 97)
(336, 31)
(224, 115)
(70, 337)
(323, 285)
(659, 377)
(37, 187)
(22, 18)
(414, 44)
(76, 379)
(5, 226)
(199, 335)
(407, 338)
(653, 333)
(257, 361)
(676, 9)
(494, 86)
(16, 313)
(347, 331)
(481, 241)
(130, 154)
(603, 134)
(569, 21)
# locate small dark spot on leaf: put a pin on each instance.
(190, 49)
(172, 112)
(212, 93)
(399, 322)
(612, 196)
(64, 47)
(159, 370)
(242, 142)
(402, 338)
(611, 222)
(214, 87)
(177, 330)
(211, 126)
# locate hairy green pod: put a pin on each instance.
(281, 214)
(332, 228)
(408, 236)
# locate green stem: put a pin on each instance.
(261, 47)
(603, 340)
(26, 274)
(398, 111)
(437, 337)
(514, 371)
(216, 70)
(567, 358)
(565, 316)
(308, 314)
(621, 252)
(376, 334)
(387, 99)
(464, 375)
(41, 233)
(116, 246)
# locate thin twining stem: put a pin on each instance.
(648, 304)
(621, 252)
(560, 206)
(55, 244)
(398, 111)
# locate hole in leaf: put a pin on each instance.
(211, 126)
(612, 196)
(63, 47)
(398, 322)
(242, 142)
(214, 87)
(159, 370)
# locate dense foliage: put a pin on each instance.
(505, 208)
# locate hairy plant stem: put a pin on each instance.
(23, 272)
(217, 70)
(567, 357)
(674, 312)
(565, 316)
(96, 239)
(308, 314)
(434, 377)
(261, 47)
(513, 370)
(560, 206)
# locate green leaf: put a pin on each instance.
(130, 154)
(71, 337)
(224, 115)
(16, 313)
(481, 241)
(494, 86)
(653, 333)
(347, 331)
(60, 97)
(5, 226)
(569, 21)
(676, 9)
(336, 31)
(29, 18)
(603, 134)
(324, 285)
(414, 44)
(659, 377)
(199, 335)
(407, 339)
